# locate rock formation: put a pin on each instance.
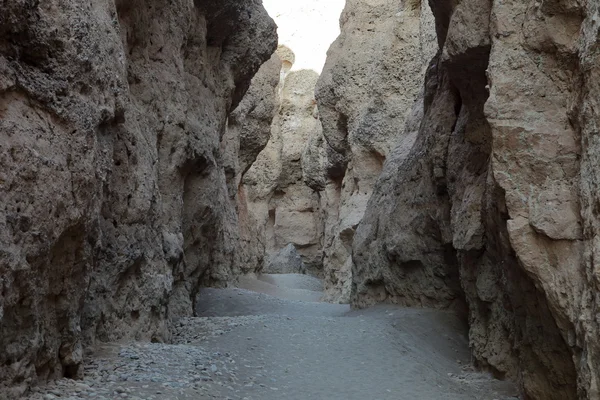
(286, 208)
(372, 76)
(489, 203)
(248, 132)
(453, 161)
(112, 183)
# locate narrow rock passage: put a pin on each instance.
(270, 339)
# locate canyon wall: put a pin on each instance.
(247, 134)
(453, 161)
(489, 202)
(288, 211)
(113, 180)
(374, 72)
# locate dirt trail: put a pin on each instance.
(271, 340)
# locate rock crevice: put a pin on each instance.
(446, 157)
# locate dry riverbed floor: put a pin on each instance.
(270, 339)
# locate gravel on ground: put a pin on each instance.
(271, 339)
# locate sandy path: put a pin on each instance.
(250, 345)
(303, 350)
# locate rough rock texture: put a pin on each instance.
(285, 261)
(491, 198)
(114, 205)
(274, 186)
(373, 73)
(586, 114)
(248, 132)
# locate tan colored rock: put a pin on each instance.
(279, 191)
(114, 205)
(373, 73)
(492, 202)
(248, 132)
(250, 122)
(277, 195)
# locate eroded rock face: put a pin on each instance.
(248, 132)
(113, 192)
(372, 76)
(290, 210)
(489, 200)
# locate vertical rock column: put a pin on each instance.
(371, 79)
(248, 132)
(288, 209)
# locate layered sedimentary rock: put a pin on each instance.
(372, 76)
(490, 201)
(113, 192)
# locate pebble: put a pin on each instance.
(162, 370)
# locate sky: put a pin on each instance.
(308, 27)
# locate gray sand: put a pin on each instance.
(277, 342)
(285, 286)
